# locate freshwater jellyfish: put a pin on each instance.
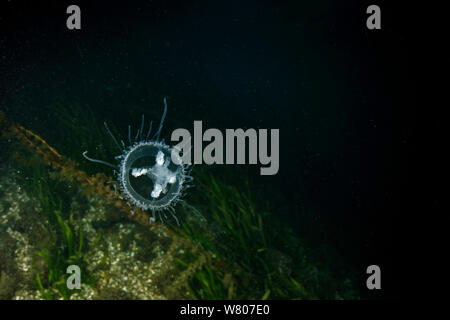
(151, 174)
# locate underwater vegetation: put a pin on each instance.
(240, 250)
(264, 259)
(65, 244)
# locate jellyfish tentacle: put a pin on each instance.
(193, 209)
(172, 212)
(137, 136)
(111, 134)
(141, 130)
(160, 218)
(149, 130)
(98, 161)
(162, 120)
(129, 134)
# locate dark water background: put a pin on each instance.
(339, 93)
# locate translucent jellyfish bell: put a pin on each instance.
(150, 177)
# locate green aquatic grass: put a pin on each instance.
(66, 247)
(207, 284)
(63, 242)
(239, 234)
